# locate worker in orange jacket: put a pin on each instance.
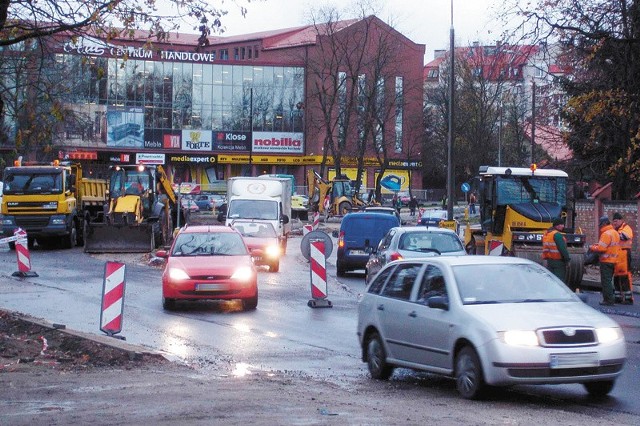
(607, 247)
(554, 250)
(622, 278)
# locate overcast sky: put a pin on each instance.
(423, 21)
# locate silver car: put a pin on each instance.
(411, 242)
(486, 320)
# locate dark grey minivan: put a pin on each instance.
(359, 234)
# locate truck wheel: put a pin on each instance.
(344, 208)
(80, 232)
(69, 240)
(31, 242)
(12, 245)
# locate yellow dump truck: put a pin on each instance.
(51, 202)
(138, 215)
(517, 205)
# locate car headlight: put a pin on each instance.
(608, 335)
(520, 338)
(272, 251)
(58, 220)
(178, 274)
(243, 273)
(7, 220)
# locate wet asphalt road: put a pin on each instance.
(283, 334)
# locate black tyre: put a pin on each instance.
(340, 271)
(344, 208)
(599, 389)
(250, 304)
(377, 358)
(168, 304)
(469, 378)
(69, 240)
(31, 242)
(12, 245)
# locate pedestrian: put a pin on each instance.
(472, 203)
(622, 278)
(607, 248)
(444, 202)
(554, 250)
(398, 204)
(372, 197)
(413, 204)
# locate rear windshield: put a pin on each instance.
(372, 227)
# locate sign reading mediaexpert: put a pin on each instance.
(278, 142)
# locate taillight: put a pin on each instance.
(341, 239)
(395, 256)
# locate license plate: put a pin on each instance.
(575, 360)
(357, 252)
(211, 287)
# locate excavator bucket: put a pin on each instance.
(119, 238)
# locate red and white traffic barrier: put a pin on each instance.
(112, 298)
(318, 275)
(316, 220)
(306, 229)
(22, 254)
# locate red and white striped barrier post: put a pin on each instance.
(318, 276)
(316, 220)
(306, 229)
(112, 299)
(22, 253)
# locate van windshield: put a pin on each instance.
(253, 209)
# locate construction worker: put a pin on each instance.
(622, 277)
(607, 247)
(554, 250)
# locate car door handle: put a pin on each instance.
(381, 307)
(413, 314)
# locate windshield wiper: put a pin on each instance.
(483, 302)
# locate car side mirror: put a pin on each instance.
(335, 234)
(162, 253)
(285, 219)
(438, 302)
(221, 217)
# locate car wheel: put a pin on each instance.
(377, 359)
(469, 379)
(275, 266)
(250, 304)
(340, 270)
(168, 304)
(344, 208)
(599, 389)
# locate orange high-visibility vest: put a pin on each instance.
(549, 247)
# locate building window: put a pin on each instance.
(224, 54)
(242, 52)
(255, 52)
(399, 113)
(539, 72)
(342, 108)
(236, 54)
(380, 95)
(433, 73)
(249, 52)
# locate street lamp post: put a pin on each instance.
(450, 182)
(251, 131)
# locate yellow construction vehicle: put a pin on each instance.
(139, 214)
(517, 206)
(51, 202)
(332, 198)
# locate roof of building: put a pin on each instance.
(551, 140)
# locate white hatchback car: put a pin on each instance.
(486, 320)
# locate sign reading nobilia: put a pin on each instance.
(231, 141)
(278, 142)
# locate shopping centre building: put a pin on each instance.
(243, 105)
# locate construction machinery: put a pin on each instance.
(139, 214)
(517, 206)
(51, 202)
(332, 198)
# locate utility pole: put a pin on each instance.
(251, 131)
(533, 117)
(450, 182)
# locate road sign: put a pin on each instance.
(465, 187)
(449, 224)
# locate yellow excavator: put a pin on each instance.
(517, 205)
(332, 198)
(139, 214)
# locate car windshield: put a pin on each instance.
(509, 283)
(209, 244)
(429, 241)
(255, 229)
